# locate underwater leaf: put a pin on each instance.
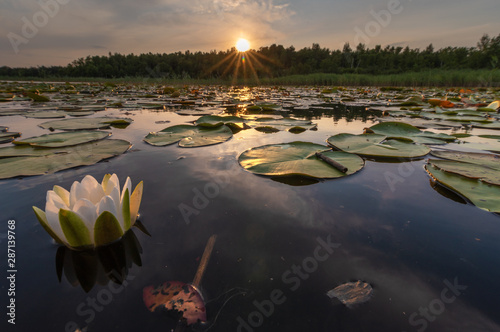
(63, 139)
(300, 159)
(352, 293)
(374, 145)
(177, 297)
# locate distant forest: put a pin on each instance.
(273, 61)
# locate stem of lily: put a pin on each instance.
(332, 162)
(204, 261)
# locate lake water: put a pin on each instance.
(431, 257)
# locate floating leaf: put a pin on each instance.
(37, 98)
(473, 171)
(64, 139)
(299, 159)
(86, 123)
(374, 145)
(483, 195)
(284, 124)
(212, 121)
(6, 137)
(483, 159)
(28, 161)
(45, 114)
(352, 293)
(401, 130)
(189, 136)
(178, 297)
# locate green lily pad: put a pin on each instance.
(189, 136)
(212, 121)
(483, 195)
(492, 125)
(37, 98)
(299, 159)
(64, 139)
(483, 159)
(37, 161)
(86, 123)
(45, 114)
(286, 124)
(375, 145)
(473, 171)
(78, 114)
(401, 130)
(497, 137)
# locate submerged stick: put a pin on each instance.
(204, 261)
(332, 162)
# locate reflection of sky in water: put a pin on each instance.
(402, 237)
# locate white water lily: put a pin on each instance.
(91, 214)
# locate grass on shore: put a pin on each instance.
(438, 78)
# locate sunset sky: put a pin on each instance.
(56, 32)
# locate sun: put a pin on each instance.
(242, 45)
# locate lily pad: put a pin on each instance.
(352, 293)
(375, 145)
(6, 136)
(483, 159)
(403, 130)
(483, 195)
(37, 161)
(45, 114)
(212, 121)
(299, 159)
(473, 171)
(64, 139)
(284, 124)
(189, 136)
(180, 298)
(86, 123)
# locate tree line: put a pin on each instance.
(273, 61)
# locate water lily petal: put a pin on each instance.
(94, 188)
(52, 216)
(87, 212)
(127, 185)
(56, 200)
(106, 204)
(135, 202)
(104, 183)
(115, 195)
(77, 192)
(113, 182)
(42, 218)
(63, 193)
